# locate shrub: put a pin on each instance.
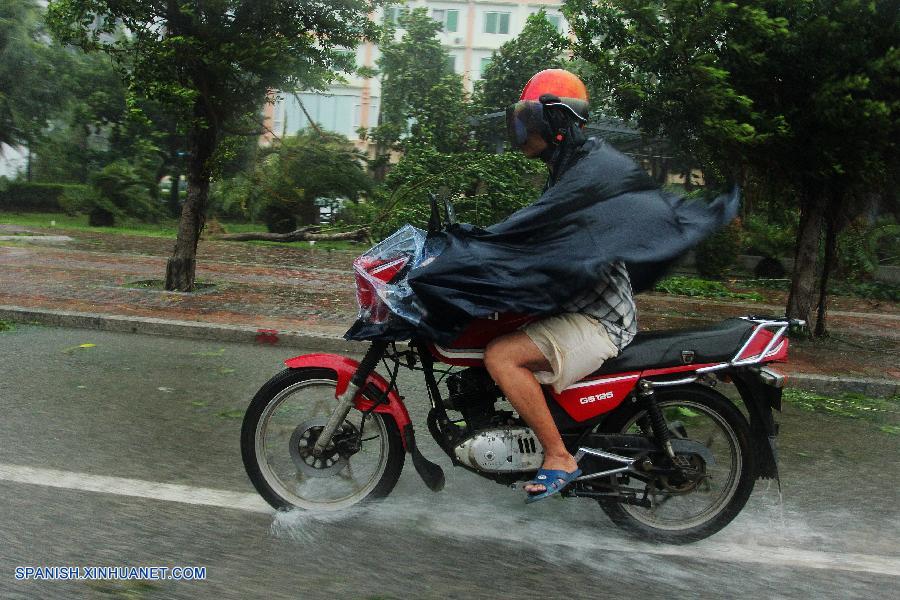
(765, 237)
(117, 191)
(862, 247)
(717, 253)
(701, 288)
(78, 199)
(279, 216)
(233, 199)
(35, 197)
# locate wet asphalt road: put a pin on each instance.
(168, 411)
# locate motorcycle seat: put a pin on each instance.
(674, 347)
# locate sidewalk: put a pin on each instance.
(308, 296)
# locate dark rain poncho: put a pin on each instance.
(603, 208)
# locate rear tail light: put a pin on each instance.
(772, 377)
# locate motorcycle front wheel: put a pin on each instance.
(682, 510)
(362, 462)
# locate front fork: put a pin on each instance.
(345, 401)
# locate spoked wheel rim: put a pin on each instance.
(345, 478)
(691, 505)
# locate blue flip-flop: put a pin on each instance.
(553, 480)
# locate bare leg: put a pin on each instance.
(511, 360)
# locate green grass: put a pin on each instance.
(159, 285)
(680, 285)
(879, 411)
(167, 228)
(6, 326)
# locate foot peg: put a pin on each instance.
(431, 474)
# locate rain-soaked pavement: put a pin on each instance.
(94, 422)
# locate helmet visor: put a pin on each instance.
(523, 118)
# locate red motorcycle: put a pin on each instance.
(664, 454)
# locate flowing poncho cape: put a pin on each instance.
(603, 207)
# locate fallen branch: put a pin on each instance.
(304, 234)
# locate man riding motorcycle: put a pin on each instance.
(559, 350)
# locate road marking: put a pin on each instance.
(137, 488)
(185, 494)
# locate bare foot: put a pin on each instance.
(563, 463)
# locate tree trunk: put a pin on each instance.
(803, 281)
(181, 267)
(827, 267)
(175, 192)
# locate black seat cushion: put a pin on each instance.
(656, 349)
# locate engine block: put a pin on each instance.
(501, 450)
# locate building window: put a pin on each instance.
(392, 14)
(485, 63)
(449, 18)
(451, 64)
(496, 22)
(555, 21)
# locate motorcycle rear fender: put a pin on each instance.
(344, 368)
(760, 399)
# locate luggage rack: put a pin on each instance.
(779, 326)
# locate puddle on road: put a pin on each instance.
(835, 511)
(559, 531)
(573, 531)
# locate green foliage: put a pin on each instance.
(280, 214)
(702, 288)
(79, 199)
(416, 88)
(806, 92)
(29, 69)
(6, 326)
(224, 54)
(282, 186)
(484, 187)
(98, 122)
(765, 237)
(871, 290)
(718, 253)
(859, 247)
(233, 198)
(880, 411)
(210, 65)
(539, 46)
(35, 197)
(803, 89)
(117, 191)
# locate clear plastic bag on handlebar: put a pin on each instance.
(381, 276)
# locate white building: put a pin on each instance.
(13, 161)
(473, 29)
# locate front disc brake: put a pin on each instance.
(332, 460)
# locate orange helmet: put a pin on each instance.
(566, 86)
(554, 103)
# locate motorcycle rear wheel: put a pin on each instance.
(279, 429)
(684, 514)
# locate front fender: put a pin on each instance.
(344, 368)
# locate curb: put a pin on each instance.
(199, 330)
(826, 384)
(185, 329)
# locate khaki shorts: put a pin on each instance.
(574, 344)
